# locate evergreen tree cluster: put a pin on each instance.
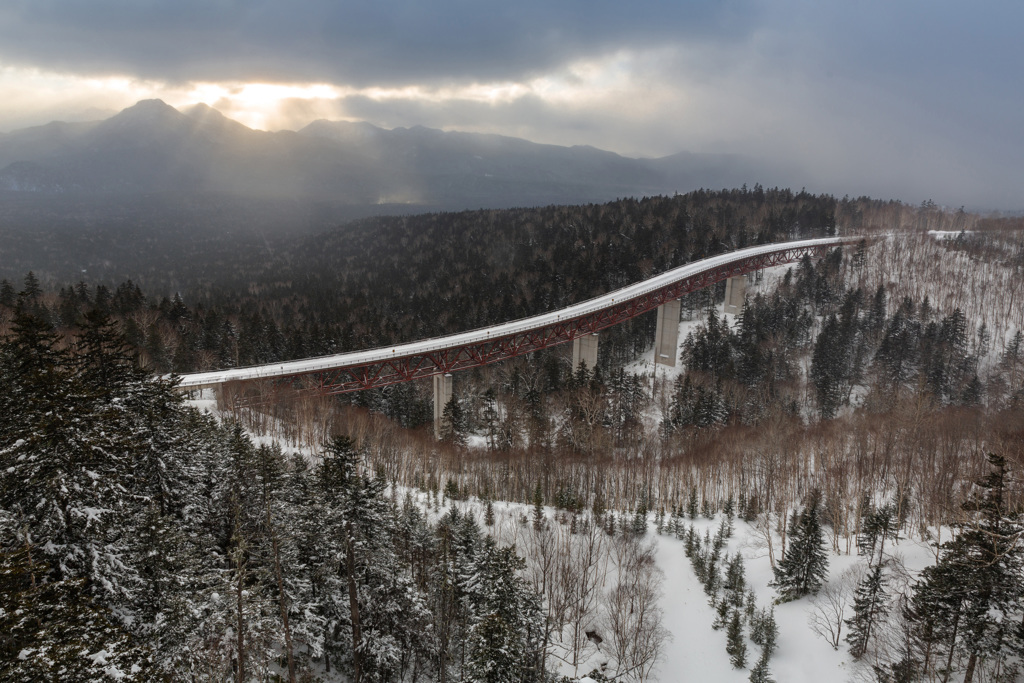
(142, 540)
(745, 371)
(870, 607)
(270, 311)
(724, 580)
(383, 280)
(966, 612)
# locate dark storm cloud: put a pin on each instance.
(913, 99)
(358, 42)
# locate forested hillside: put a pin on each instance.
(379, 281)
(144, 541)
(871, 397)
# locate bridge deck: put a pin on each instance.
(442, 354)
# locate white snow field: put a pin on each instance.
(696, 652)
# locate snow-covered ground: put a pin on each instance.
(698, 651)
(695, 651)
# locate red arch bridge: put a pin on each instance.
(440, 356)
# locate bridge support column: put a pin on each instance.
(666, 338)
(585, 349)
(735, 291)
(442, 394)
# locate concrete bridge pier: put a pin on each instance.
(735, 291)
(585, 349)
(666, 337)
(442, 394)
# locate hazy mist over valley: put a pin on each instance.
(151, 151)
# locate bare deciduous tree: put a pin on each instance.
(633, 619)
(828, 607)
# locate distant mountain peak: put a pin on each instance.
(153, 147)
(154, 106)
(146, 112)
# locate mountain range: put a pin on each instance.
(352, 169)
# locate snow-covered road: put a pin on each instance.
(483, 335)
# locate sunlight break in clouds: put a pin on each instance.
(610, 84)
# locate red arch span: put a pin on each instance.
(355, 371)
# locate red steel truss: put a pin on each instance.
(345, 379)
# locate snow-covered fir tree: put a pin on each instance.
(804, 567)
(870, 606)
(736, 646)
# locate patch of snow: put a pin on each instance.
(949, 234)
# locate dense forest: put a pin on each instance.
(145, 541)
(384, 280)
(873, 396)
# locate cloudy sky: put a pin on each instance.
(914, 99)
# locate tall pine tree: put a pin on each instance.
(804, 567)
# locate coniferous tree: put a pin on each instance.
(141, 540)
(32, 289)
(66, 458)
(489, 416)
(828, 366)
(721, 613)
(898, 353)
(56, 630)
(453, 423)
(240, 626)
(710, 349)
(869, 607)
(505, 639)
(736, 647)
(7, 294)
(877, 524)
(84, 423)
(735, 580)
(356, 520)
(760, 673)
(969, 605)
(804, 567)
(1011, 369)
(539, 519)
(638, 527)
